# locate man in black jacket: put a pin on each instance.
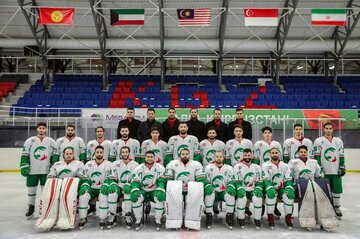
(170, 125)
(131, 122)
(144, 130)
(221, 127)
(196, 127)
(246, 126)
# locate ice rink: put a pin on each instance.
(13, 223)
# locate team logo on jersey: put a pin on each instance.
(39, 153)
(249, 179)
(329, 155)
(181, 147)
(157, 152)
(277, 181)
(95, 175)
(183, 176)
(124, 177)
(147, 181)
(210, 155)
(64, 171)
(238, 154)
(296, 155)
(266, 155)
(217, 181)
(305, 173)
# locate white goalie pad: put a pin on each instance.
(49, 204)
(174, 204)
(307, 209)
(194, 205)
(68, 203)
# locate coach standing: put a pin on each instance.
(246, 126)
(131, 122)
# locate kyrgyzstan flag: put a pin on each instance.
(59, 16)
(261, 16)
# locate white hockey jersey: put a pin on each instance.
(249, 176)
(117, 144)
(148, 177)
(95, 173)
(291, 146)
(63, 170)
(208, 150)
(308, 170)
(276, 174)
(219, 177)
(90, 149)
(262, 150)
(39, 152)
(121, 172)
(235, 149)
(177, 143)
(330, 153)
(160, 149)
(177, 170)
(76, 143)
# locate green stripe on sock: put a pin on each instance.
(240, 208)
(112, 202)
(257, 207)
(290, 205)
(103, 207)
(83, 207)
(270, 204)
(31, 195)
(208, 206)
(136, 206)
(230, 205)
(159, 208)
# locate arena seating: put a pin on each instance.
(8, 83)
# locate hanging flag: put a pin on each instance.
(261, 16)
(127, 17)
(59, 16)
(194, 17)
(328, 17)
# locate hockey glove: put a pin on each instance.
(135, 193)
(113, 188)
(270, 192)
(341, 171)
(160, 194)
(231, 190)
(104, 189)
(24, 166)
(84, 189)
(289, 191)
(127, 188)
(240, 191)
(258, 192)
(25, 170)
(209, 189)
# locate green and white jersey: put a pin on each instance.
(148, 177)
(160, 149)
(117, 144)
(63, 170)
(121, 172)
(177, 170)
(262, 150)
(76, 143)
(39, 152)
(208, 150)
(177, 143)
(219, 177)
(276, 174)
(308, 170)
(330, 153)
(95, 173)
(248, 175)
(90, 149)
(235, 149)
(291, 146)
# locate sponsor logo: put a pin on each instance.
(96, 117)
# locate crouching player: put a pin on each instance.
(94, 185)
(278, 182)
(148, 183)
(221, 177)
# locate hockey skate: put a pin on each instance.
(118, 211)
(271, 221)
(241, 223)
(277, 212)
(257, 224)
(112, 221)
(92, 210)
(157, 226)
(129, 220)
(230, 220)
(248, 212)
(216, 209)
(288, 221)
(30, 211)
(137, 226)
(208, 220)
(338, 211)
(102, 224)
(82, 223)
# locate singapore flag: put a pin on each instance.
(261, 16)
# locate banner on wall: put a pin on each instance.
(277, 119)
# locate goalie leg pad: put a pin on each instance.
(174, 204)
(194, 205)
(68, 203)
(306, 203)
(49, 204)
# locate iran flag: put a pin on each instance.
(261, 16)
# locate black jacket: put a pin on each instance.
(144, 130)
(246, 128)
(197, 128)
(221, 131)
(167, 131)
(133, 127)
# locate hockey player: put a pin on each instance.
(329, 153)
(278, 184)
(221, 177)
(235, 147)
(120, 177)
(133, 144)
(182, 141)
(70, 140)
(209, 146)
(69, 167)
(96, 185)
(249, 185)
(35, 162)
(155, 144)
(262, 147)
(291, 144)
(100, 140)
(148, 183)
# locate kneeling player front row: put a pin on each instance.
(183, 187)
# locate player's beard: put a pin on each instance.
(99, 157)
(69, 135)
(124, 136)
(275, 158)
(183, 132)
(247, 160)
(219, 163)
(125, 159)
(149, 163)
(185, 160)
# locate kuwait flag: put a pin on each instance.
(261, 16)
(59, 16)
(127, 17)
(328, 17)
